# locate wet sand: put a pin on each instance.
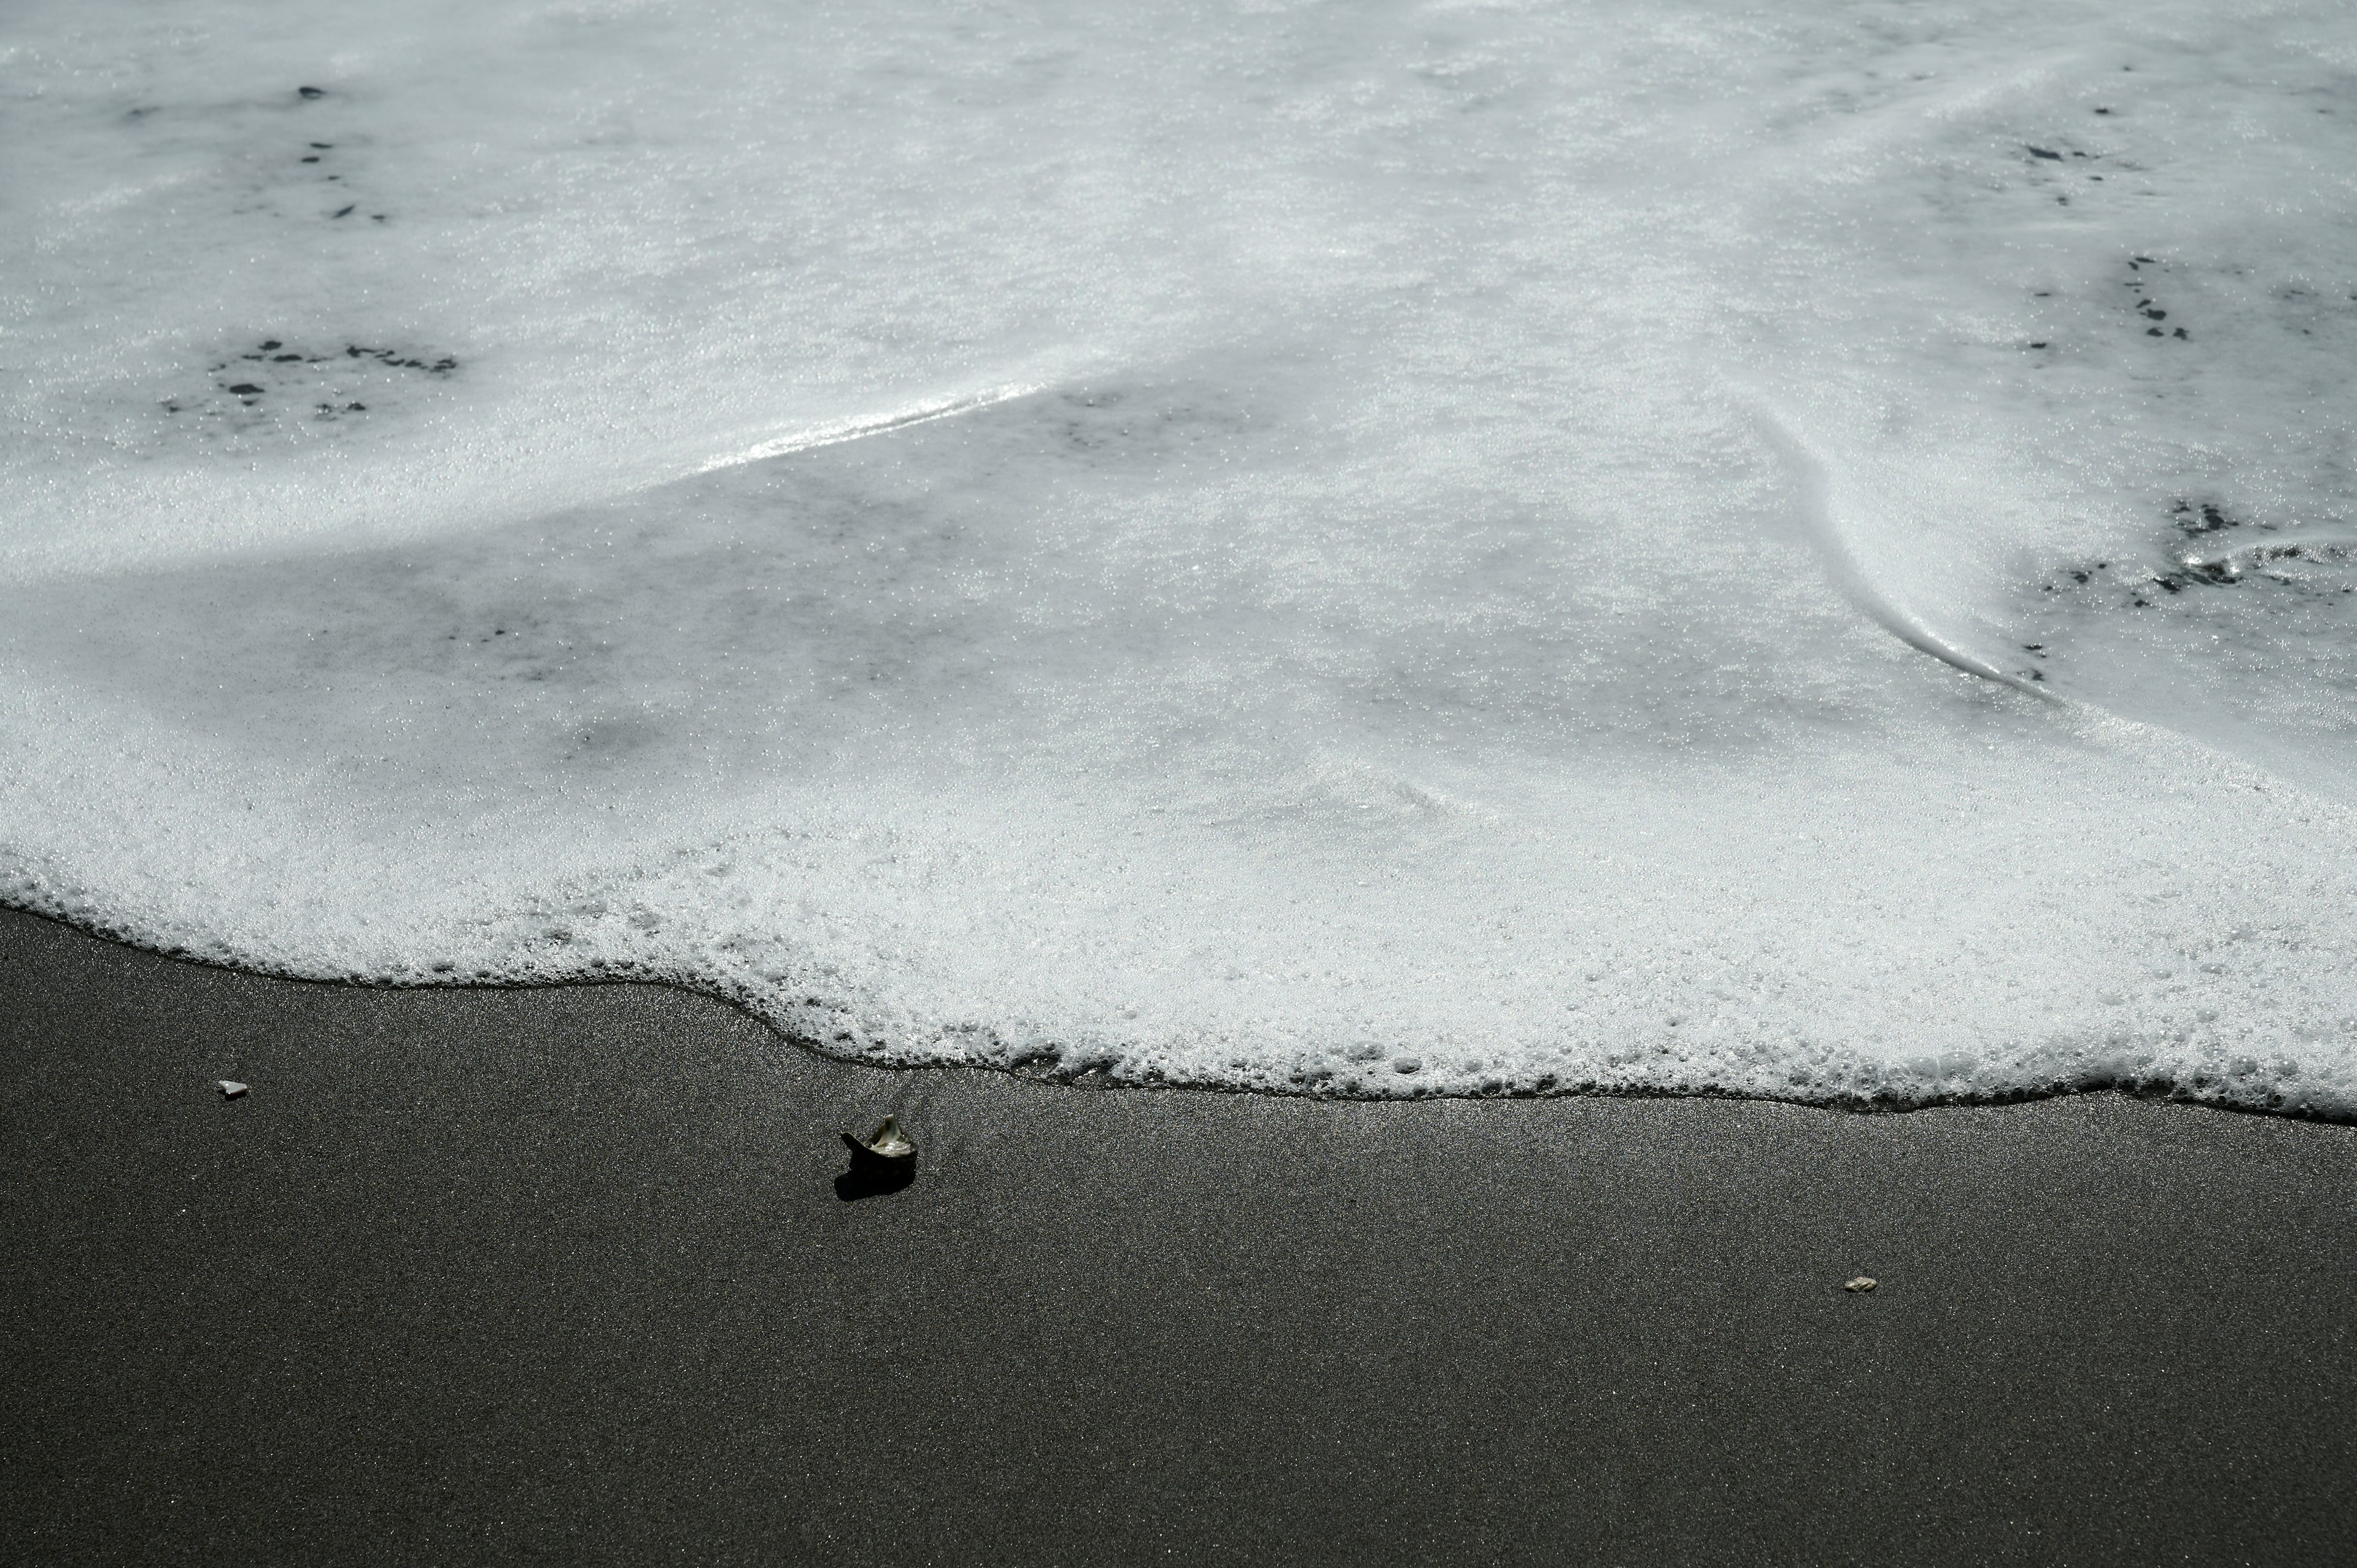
(564, 1276)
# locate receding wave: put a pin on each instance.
(1332, 555)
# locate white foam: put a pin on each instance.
(1374, 550)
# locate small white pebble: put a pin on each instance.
(1859, 1284)
(231, 1089)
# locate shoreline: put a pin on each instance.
(2155, 1091)
(478, 1275)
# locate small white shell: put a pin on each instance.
(1861, 1283)
(231, 1089)
(889, 1143)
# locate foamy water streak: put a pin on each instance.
(853, 429)
(1387, 549)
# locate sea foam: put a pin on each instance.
(1380, 550)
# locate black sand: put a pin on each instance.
(563, 1277)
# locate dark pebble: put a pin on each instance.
(272, 343)
(285, 359)
(246, 389)
(312, 159)
(2153, 332)
(2042, 153)
(312, 92)
(342, 212)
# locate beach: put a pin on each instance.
(563, 1275)
(1584, 773)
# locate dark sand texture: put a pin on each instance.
(563, 1277)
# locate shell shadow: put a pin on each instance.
(872, 1175)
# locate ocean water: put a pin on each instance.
(1805, 550)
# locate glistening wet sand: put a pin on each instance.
(562, 1275)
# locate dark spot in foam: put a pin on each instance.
(2156, 314)
(2039, 344)
(2154, 332)
(2103, 110)
(246, 389)
(2207, 518)
(341, 212)
(285, 359)
(270, 343)
(323, 146)
(312, 159)
(2042, 153)
(2180, 332)
(312, 92)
